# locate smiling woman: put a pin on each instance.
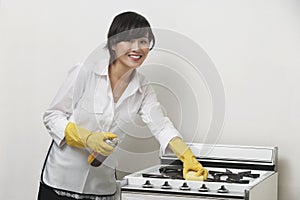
(85, 113)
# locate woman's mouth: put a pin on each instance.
(135, 56)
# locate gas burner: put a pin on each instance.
(231, 177)
(167, 172)
(248, 174)
(172, 171)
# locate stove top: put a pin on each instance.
(228, 176)
(220, 181)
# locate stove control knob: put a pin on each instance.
(184, 186)
(166, 185)
(222, 189)
(147, 184)
(203, 188)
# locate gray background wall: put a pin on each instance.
(255, 46)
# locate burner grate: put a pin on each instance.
(231, 177)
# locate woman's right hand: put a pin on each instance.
(77, 136)
(96, 141)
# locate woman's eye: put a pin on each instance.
(144, 42)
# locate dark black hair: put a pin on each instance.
(127, 26)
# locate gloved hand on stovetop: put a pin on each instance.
(79, 137)
(192, 169)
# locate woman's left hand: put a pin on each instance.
(192, 169)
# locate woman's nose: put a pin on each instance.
(135, 45)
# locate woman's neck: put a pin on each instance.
(118, 72)
(119, 78)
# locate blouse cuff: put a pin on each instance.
(59, 129)
(165, 137)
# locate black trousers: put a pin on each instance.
(47, 193)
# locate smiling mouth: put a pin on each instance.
(135, 57)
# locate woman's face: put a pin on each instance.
(131, 53)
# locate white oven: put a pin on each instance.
(235, 172)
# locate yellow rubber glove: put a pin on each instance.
(79, 137)
(192, 169)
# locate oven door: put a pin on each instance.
(126, 195)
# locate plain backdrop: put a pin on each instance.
(255, 46)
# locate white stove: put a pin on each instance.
(235, 172)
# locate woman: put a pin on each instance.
(92, 106)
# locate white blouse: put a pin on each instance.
(86, 99)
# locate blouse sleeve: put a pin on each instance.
(159, 124)
(56, 116)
